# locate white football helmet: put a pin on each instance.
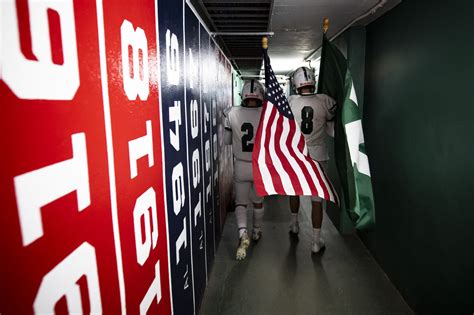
(303, 76)
(253, 89)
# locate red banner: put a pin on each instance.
(83, 221)
(132, 69)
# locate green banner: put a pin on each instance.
(352, 162)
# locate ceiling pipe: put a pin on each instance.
(196, 13)
(246, 58)
(279, 76)
(371, 11)
(242, 34)
(201, 20)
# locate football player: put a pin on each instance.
(314, 114)
(241, 123)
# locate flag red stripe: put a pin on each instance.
(257, 180)
(301, 144)
(257, 176)
(302, 165)
(284, 159)
(330, 187)
(318, 175)
(268, 160)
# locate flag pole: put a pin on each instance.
(265, 56)
(323, 48)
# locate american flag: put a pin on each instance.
(281, 163)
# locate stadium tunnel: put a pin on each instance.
(117, 186)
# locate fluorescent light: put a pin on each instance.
(284, 65)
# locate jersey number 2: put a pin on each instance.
(307, 120)
(247, 146)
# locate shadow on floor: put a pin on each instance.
(281, 276)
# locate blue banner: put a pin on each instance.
(173, 105)
(225, 160)
(213, 92)
(206, 145)
(195, 156)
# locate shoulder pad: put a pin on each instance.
(327, 97)
(226, 111)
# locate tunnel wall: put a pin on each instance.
(237, 88)
(418, 125)
(114, 178)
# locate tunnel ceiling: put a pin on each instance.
(239, 16)
(296, 24)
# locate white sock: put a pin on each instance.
(241, 215)
(316, 235)
(294, 217)
(258, 217)
(242, 231)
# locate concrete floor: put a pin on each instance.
(281, 276)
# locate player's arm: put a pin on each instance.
(330, 107)
(227, 126)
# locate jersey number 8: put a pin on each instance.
(307, 120)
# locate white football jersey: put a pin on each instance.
(243, 123)
(312, 113)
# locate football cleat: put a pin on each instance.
(256, 234)
(243, 245)
(318, 246)
(295, 228)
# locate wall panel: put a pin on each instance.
(206, 143)
(195, 159)
(130, 40)
(82, 217)
(418, 126)
(175, 147)
(115, 183)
